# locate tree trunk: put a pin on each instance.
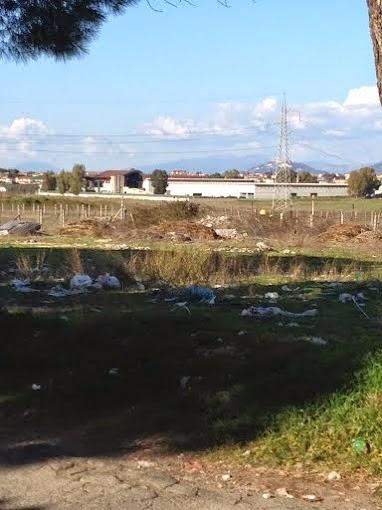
(375, 15)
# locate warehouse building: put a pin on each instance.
(244, 188)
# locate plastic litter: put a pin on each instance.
(108, 281)
(58, 291)
(358, 306)
(345, 297)
(333, 476)
(181, 306)
(22, 285)
(284, 493)
(273, 311)
(184, 382)
(316, 340)
(202, 294)
(114, 371)
(36, 387)
(272, 295)
(311, 497)
(81, 281)
(361, 445)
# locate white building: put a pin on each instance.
(116, 182)
(243, 188)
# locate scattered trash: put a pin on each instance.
(143, 464)
(226, 477)
(247, 453)
(284, 493)
(229, 297)
(202, 294)
(358, 306)
(361, 445)
(345, 297)
(231, 233)
(335, 285)
(293, 325)
(108, 281)
(272, 295)
(184, 382)
(272, 311)
(262, 246)
(36, 387)
(22, 285)
(81, 281)
(333, 476)
(242, 333)
(267, 495)
(58, 291)
(311, 497)
(316, 340)
(181, 306)
(20, 228)
(114, 371)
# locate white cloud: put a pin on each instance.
(349, 129)
(363, 96)
(89, 145)
(164, 126)
(24, 126)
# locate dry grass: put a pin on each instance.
(30, 265)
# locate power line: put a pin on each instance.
(225, 132)
(201, 151)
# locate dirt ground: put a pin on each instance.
(143, 481)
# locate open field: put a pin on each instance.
(293, 382)
(116, 367)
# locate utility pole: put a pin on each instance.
(283, 175)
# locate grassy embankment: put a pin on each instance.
(257, 384)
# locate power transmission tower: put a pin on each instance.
(284, 167)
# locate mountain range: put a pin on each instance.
(210, 164)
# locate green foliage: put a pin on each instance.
(159, 179)
(63, 181)
(215, 175)
(363, 182)
(31, 28)
(77, 178)
(231, 174)
(305, 176)
(49, 182)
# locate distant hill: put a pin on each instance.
(377, 166)
(271, 166)
(210, 163)
(35, 166)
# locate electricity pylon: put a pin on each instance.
(284, 167)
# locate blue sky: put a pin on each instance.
(200, 81)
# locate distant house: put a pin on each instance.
(115, 181)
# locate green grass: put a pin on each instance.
(268, 390)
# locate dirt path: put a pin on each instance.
(134, 483)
